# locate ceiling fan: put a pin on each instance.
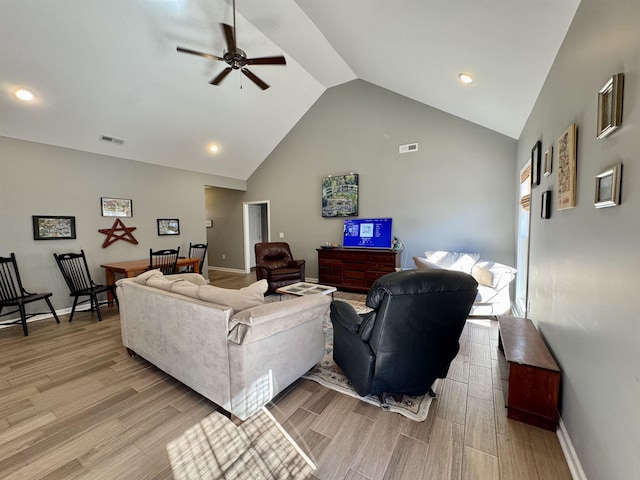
(235, 58)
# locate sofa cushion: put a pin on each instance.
(149, 275)
(143, 277)
(241, 299)
(263, 321)
(194, 278)
(482, 275)
(186, 288)
(462, 262)
(424, 263)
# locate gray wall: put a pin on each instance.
(39, 179)
(224, 207)
(584, 263)
(456, 193)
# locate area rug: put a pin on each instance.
(328, 374)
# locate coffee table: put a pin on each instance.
(303, 288)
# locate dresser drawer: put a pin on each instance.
(337, 270)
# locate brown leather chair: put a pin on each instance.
(275, 263)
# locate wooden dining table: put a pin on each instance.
(132, 268)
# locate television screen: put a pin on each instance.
(367, 233)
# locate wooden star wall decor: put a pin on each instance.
(113, 235)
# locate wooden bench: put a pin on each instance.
(533, 375)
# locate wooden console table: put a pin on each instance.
(533, 375)
(134, 268)
(355, 268)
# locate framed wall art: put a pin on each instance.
(340, 196)
(536, 156)
(610, 105)
(53, 227)
(567, 168)
(608, 187)
(545, 211)
(168, 226)
(116, 207)
(548, 161)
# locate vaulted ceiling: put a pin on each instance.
(110, 67)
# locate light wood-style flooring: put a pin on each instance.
(73, 405)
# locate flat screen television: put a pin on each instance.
(367, 233)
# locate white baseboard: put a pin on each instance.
(577, 473)
(223, 269)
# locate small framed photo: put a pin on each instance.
(548, 161)
(546, 205)
(536, 157)
(168, 226)
(608, 187)
(116, 207)
(610, 105)
(53, 228)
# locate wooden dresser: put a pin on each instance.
(355, 269)
(533, 376)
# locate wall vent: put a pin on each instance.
(107, 138)
(409, 147)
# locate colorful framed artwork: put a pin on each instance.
(168, 226)
(53, 227)
(116, 207)
(567, 168)
(340, 196)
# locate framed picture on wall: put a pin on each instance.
(53, 227)
(168, 226)
(548, 160)
(610, 105)
(608, 187)
(545, 211)
(116, 207)
(536, 156)
(340, 196)
(567, 168)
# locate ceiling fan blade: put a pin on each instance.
(229, 36)
(255, 79)
(221, 76)
(277, 60)
(200, 54)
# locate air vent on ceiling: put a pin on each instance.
(409, 147)
(107, 138)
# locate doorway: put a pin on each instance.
(257, 228)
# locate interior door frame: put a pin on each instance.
(245, 228)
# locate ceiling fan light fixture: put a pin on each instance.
(24, 95)
(465, 78)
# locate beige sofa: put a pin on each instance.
(494, 279)
(227, 345)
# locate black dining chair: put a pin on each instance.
(197, 250)
(165, 260)
(75, 270)
(13, 294)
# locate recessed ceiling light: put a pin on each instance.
(24, 95)
(213, 148)
(465, 78)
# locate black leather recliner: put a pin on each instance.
(411, 336)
